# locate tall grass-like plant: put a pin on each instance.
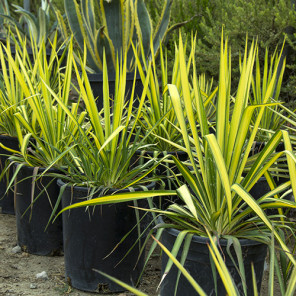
(218, 161)
(219, 200)
(11, 92)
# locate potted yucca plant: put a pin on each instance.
(101, 166)
(11, 98)
(123, 24)
(48, 136)
(158, 123)
(219, 201)
(215, 199)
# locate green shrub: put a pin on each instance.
(265, 20)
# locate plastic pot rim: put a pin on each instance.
(205, 240)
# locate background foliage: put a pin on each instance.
(267, 20)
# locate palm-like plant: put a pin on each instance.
(220, 191)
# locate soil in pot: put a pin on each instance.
(32, 218)
(7, 200)
(199, 266)
(91, 234)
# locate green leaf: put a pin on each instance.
(120, 197)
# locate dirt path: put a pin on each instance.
(18, 271)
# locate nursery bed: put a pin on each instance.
(18, 271)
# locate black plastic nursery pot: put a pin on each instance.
(91, 234)
(198, 264)
(96, 83)
(32, 218)
(7, 200)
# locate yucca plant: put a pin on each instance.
(40, 27)
(35, 114)
(270, 121)
(12, 84)
(100, 166)
(121, 24)
(45, 138)
(29, 112)
(51, 128)
(216, 180)
(218, 202)
(158, 118)
(110, 143)
(11, 93)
